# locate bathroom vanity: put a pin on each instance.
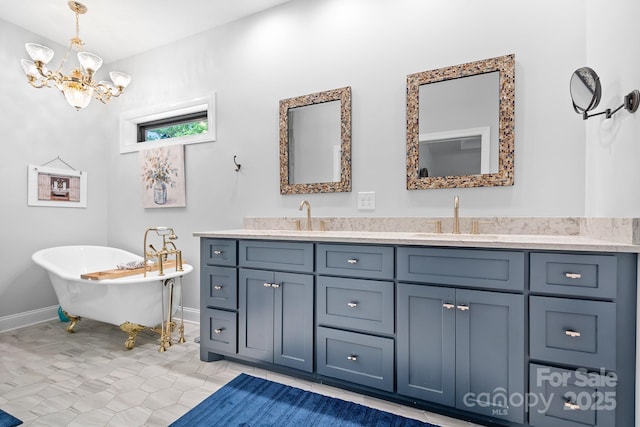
(500, 330)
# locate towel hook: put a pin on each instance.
(238, 165)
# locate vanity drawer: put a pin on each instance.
(219, 287)
(366, 305)
(570, 398)
(287, 256)
(373, 262)
(574, 332)
(583, 275)
(358, 358)
(218, 251)
(219, 331)
(477, 268)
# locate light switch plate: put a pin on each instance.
(366, 200)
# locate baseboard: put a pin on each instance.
(20, 320)
(191, 315)
(27, 318)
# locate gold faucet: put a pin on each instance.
(164, 252)
(302, 205)
(168, 248)
(456, 215)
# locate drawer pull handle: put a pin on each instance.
(267, 285)
(572, 334)
(573, 275)
(463, 307)
(571, 406)
(352, 358)
(352, 261)
(448, 305)
(219, 330)
(352, 304)
(217, 252)
(275, 285)
(217, 287)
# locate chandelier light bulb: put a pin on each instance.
(29, 68)
(89, 61)
(76, 93)
(120, 79)
(78, 86)
(38, 52)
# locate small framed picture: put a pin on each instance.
(56, 187)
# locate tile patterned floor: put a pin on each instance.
(49, 377)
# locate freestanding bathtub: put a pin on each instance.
(132, 302)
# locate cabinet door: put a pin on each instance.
(255, 314)
(490, 353)
(293, 321)
(426, 343)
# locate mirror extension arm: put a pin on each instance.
(631, 101)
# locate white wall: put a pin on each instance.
(299, 48)
(38, 126)
(613, 146)
(314, 45)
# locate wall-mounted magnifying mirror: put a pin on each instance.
(585, 90)
(586, 93)
(315, 143)
(460, 125)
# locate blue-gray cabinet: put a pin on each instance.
(582, 341)
(461, 348)
(355, 314)
(527, 338)
(274, 321)
(218, 298)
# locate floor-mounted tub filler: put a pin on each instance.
(132, 298)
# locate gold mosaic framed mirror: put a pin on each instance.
(315, 143)
(460, 125)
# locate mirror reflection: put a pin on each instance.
(460, 125)
(314, 134)
(315, 143)
(456, 119)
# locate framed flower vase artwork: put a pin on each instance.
(162, 177)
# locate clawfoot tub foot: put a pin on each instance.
(132, 329)
(73, 321)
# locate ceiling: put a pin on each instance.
(117, 29)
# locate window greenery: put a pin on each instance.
(172, 127)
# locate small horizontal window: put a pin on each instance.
(160, 125)
(172, 127)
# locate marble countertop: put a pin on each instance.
(504, 241)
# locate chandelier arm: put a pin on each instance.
(37, 83)
(46, 77)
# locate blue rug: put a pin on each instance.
(7, 420)
(248, 401)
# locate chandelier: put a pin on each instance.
(78, 87)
